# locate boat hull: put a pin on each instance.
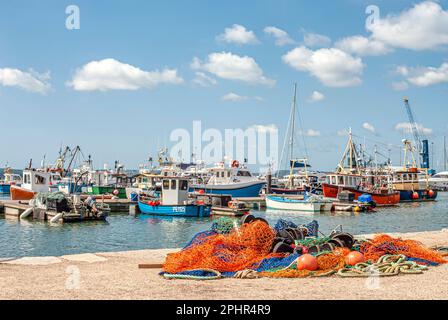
(280, 203)
(18, 193)
(177, 211)
(389, 199)
(423, 195)
(237, 190)
(5, 188)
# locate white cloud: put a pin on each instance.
(311, 133)
(400, 86)
(29, 81)
(316, 40)
(270, 128)
(362, 46)
(369, 127)
(422, 27)
(233, 97)
(227, 65)
(238, 34)
(110, 74)
(406, 128)
(282, 38)
(333, 67)
(428, 76)
(204, 80)
(316, 96)
(423, 76)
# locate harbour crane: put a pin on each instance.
(420, 145)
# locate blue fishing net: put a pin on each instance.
(424, 262)
(273, 263)
(313, 226)
(199, 238)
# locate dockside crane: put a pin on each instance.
(420, 145)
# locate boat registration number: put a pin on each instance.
(179, 209)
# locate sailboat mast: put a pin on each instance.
(444, 153)
(293, 122)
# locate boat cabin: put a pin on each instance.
(220, 175)
(345, 180)
(174, 191)
(12, 178)
(40, 181)
(407, 180)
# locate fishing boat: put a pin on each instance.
(9, 178)
(412, 182)
(234, 180)
(350, 177)
(174, 201)
(293, 203)
(34, 181)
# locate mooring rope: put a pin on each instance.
(217, 275)
(387, 265)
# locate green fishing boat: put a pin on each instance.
(107, 190)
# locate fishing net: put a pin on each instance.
(383, 244)
(328, 263)
(242, 248)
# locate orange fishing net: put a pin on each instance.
(383, 244)
(242, 248)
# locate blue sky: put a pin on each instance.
(50, 94)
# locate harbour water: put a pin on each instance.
(123, 232)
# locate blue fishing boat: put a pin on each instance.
(235, 181)
(174, 201)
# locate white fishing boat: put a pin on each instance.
(235, 180)
(297, 203)
(439, 181)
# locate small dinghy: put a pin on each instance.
(293, 203)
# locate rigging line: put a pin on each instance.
(303, 134)
(285, 141)
(379, 142)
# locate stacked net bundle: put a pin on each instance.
(384, 244)
(242, 248)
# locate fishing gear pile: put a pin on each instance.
(251, 248)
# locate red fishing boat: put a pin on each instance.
(350, 177)
(356, 184)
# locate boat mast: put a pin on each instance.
(444, 153)
(293, 122)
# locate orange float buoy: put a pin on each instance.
(431, 193)
(116, 192)
(201, 191)
(307, 262)
(415, 195)
(354, 258)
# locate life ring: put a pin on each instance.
(235, 164)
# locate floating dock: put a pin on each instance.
(14, 208)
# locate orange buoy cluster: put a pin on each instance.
(415, 195)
